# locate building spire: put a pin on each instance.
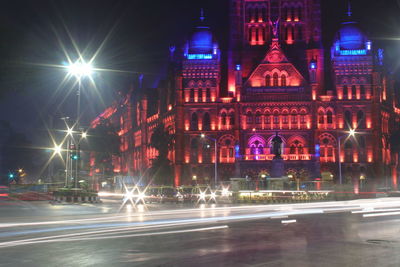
(202, 15)
(349, 13)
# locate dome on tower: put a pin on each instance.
(201, 41)
(350, 37)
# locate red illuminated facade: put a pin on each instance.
(272, 82)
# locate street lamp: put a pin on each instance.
(216, 159)
(352, 132)
(79, 69)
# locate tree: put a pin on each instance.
(104, 143)
(161, 170)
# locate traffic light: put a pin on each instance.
(11, 176)
(75, 155)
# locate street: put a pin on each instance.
(350, 233)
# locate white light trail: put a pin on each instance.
(288, 221)
(63, 239)
(381, 214)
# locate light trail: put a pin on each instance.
(381, 214)
(326, 206)
(27, 242)
(288, 221)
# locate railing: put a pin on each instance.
(271, 157)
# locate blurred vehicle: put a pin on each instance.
(4, 192)
(170, 194)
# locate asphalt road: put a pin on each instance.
(352, 233)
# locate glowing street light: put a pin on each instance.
(80, 69)
(57, 149)
(70, 131)
(84, 134)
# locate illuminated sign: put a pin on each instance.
(199, 56)
(353, 52)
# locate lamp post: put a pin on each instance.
(216, 159)
(79, 69)
(352, 132)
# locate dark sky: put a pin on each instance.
(136, 36)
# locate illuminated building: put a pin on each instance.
(271, 82)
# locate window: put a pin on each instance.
(200, 95)
(360, 119)
(285, 119)
(294, 117)
(321, 117)
(258, 118)
(249, 117)
(362, 89)
(223, 118)
(345, 92)
(348, 145)
(194, 123)
(191, 95)
(275, 79)
(208, 94)
(353, 90)
(361, 141)
(268, 80)
(347, 117)
(231, 118)
(283, 80)
(206, 122)
(329, 117)
(194, 149)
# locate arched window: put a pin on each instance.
(191, 95)
(256, 145)
(258, 117)
(347, 117)
(299, 32)
(361, 141)
(200, 95)
(206, 122)
(285, 118)
(329, 117)
(283, 80)
(208, 94)
(327, 148)
(232, 118)
(353, 90)
(223, 118)
(294, 117)
(292, 149)
(345, 92)
(267, 80)
(321, 117)
(348, 144)
(299, 15)
(194, 122)
(194, 150)
(362, 90)
(249, 117)
(360, 119)
(276, 117)
(275, 79)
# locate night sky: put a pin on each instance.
(134, 36)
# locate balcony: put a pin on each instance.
(263, 157)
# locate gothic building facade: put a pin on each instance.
(271, 81)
